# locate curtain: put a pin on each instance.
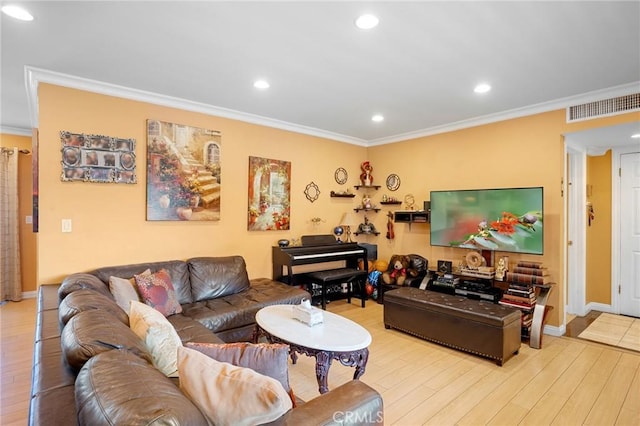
(10, 280)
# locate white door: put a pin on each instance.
(630, 234)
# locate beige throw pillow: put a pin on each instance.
(125, 290)
(230, 395)
(267, 359)
(159, 336)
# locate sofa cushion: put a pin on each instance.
(79, 281)
(118, 388)
(156, 290)
(158, 335)
(239, 310)
(124, 290)
(191, 330)
(230, 395)
(91, 332)
(177, 269)
(213, 277)
(86, 299)
(267, 359)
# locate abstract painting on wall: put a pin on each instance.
(269, 194)
(183, 172)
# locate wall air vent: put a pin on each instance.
(606, 107)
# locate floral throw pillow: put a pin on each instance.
(156, 290)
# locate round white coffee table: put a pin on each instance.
(336, 338)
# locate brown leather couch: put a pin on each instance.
(90, 368)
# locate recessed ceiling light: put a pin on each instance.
(377, 118)
(17, 12)
(482, 88)
(636, 136)
(261, 84)
(366, 22)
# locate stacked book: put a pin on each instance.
(528, 273)
(521, 292)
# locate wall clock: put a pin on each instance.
(341, 176)
(393, 182)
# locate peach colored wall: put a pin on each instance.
(598, 273)
(521, 152)
(109, 226)
(27, 237)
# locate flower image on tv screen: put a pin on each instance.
(507, 219)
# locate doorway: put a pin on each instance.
(577, 146)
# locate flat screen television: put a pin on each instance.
(508, 219)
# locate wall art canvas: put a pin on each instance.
(97, 158)
(269, 194)
(183, 172)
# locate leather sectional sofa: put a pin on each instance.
(90, 368)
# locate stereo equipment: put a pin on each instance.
(479, 290)
(444, 266)
(444, 284)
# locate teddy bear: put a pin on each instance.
(398, 270)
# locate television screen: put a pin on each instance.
(507, 219)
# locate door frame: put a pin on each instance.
(575, 231)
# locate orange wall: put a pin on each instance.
(109, 226)
(108, 220)
(598, 256)
(521, 152)
(27, 237)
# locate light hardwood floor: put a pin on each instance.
(568, 381)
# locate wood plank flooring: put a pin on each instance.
(567, 382)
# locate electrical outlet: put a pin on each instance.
(66, 225)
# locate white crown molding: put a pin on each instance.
(18, 131)
(35, 76)
(612, 92)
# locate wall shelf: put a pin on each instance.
(367, 233)
(391, 202)
(366, 186)
(411, 216)
(362, 209)
(341, 195)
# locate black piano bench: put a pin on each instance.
(338, 276)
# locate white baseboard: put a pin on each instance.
(594, 306)
(29, 294)
(555, 331)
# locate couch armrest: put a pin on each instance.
(352, 403)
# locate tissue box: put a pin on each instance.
(307, 314)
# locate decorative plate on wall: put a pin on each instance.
(312, 192)
(393, 182)
(341, 176)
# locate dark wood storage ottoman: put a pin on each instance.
(480, 327)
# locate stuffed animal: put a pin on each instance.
(398, 270)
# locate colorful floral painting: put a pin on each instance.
(269, 194)
(504, 232)
(183, 172)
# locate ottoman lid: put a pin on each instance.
(471, 309)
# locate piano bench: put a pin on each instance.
(338, 276)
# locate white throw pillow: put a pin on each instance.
(230, 395)
(160, 338)
(125, 290)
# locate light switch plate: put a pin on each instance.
(66, 225)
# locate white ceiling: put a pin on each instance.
(417, 68)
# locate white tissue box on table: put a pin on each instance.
(307, 314)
